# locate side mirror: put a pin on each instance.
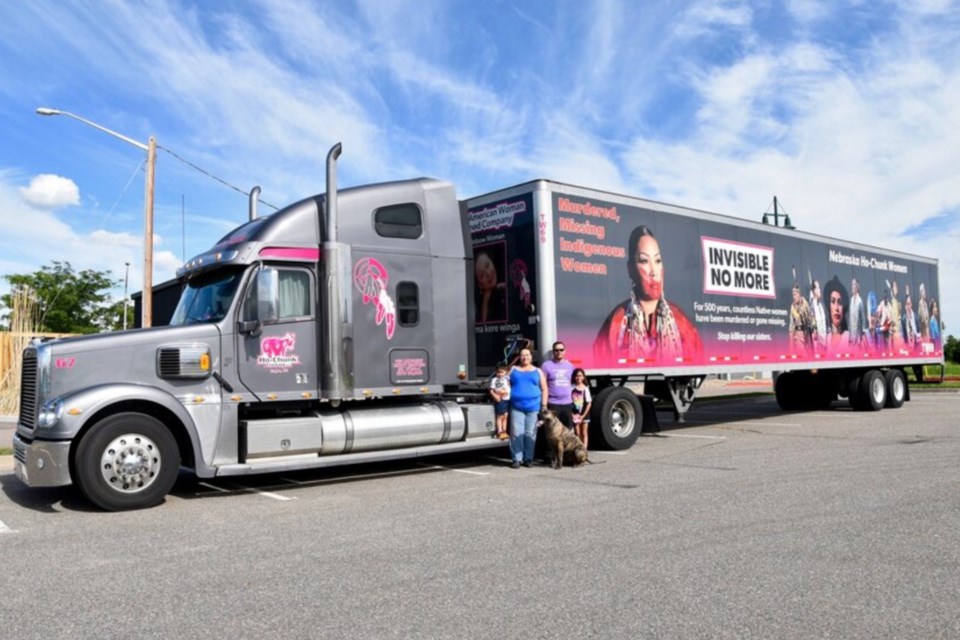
(252, 327)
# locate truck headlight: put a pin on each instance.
(50, 414)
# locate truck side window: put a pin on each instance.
(408, 304)
(294, 294)
(399, 221)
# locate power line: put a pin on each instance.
(123, 192)
(220, 180)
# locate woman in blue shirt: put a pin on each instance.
(528, 394)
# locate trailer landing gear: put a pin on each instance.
(681, 392)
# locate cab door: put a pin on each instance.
(277, 340)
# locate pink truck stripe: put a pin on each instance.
(290, 253)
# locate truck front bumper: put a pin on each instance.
(41, 463)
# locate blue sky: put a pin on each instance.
(847, 110)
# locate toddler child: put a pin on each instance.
(500, 392)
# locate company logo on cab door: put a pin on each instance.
(277, 352)
(370, 278)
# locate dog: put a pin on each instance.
(561, 442)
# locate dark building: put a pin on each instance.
(166, 295)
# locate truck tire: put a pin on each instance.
(127, 461)
(896, 388)
(616, 418)
(872, 391)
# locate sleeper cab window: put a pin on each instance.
(399, 221)
(408, 304)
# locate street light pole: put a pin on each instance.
(146, 317)
(776, 217)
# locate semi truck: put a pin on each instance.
(359, 325)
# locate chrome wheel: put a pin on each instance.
(130, 463)
(623, 418)
(878, 390)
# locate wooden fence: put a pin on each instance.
(11, 346)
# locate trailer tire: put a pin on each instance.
(896, 388)
(853, 392)
(786, 390)
(872, 391)
(823, 393)
(616, 418)
(127, 461)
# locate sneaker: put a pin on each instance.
(504, 435)
(528, 464)
(515, 465)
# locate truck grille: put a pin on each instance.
(28, 389)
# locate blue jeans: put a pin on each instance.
(523, 434)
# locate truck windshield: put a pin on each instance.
(207, 298)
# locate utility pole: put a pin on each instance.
(147, 315)
(126, 298)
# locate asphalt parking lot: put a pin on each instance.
(745, 522)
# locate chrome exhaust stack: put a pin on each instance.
(254, 196)
(337, 342)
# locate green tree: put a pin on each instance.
(69, 301)
(951, 350)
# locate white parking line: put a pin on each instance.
(268, 494)
(783, 424)
(755, 421)
(610, 453)
(690, 435)
(437, 466)
(214, 487)
(4, 528)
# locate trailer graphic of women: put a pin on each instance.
(518, 276)
(491, 293)
(802, 325)
(838, 338)
(646, 325)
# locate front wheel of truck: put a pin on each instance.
(127, 461)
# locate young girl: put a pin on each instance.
(581, 405)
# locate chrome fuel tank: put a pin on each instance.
(332, 432)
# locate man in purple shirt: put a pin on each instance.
(559, 374)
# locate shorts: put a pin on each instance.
(501, 408)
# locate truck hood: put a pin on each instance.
(129, 356)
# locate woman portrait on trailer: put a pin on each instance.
(836, 300)
(646, 325)
(491, 291)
